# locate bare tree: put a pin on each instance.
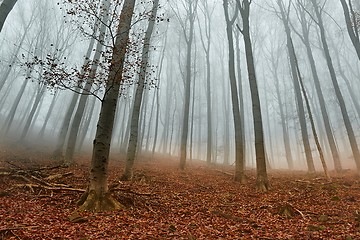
(305, 38)
(262, 179)
(134, 122)
(187, 27)
(97, 196)
(239, 151)
(350, 132)
(284, 17)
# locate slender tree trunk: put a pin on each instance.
(74, 130)
(345, 115)
(97, 197)
(34, 107)
(9, 119)
(312, 123)
(239, 151)
(329, 133)
(50, 111)
(134, 123)
(185, 123)
(262, 179)
(300, 105)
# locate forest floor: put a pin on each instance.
(162, 202)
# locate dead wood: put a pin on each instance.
(32, 186)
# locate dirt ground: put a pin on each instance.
(37, 198)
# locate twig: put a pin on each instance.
(16, 228)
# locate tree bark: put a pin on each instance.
(97, 196)
(262, 179)
(339, 96)
(305, 37)
(5, 9)
(74, 130)
(299, 100)
(134, 123)
(239, 146)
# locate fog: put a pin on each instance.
(34, 109)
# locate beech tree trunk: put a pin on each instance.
(189, 37)
(134, 122)
(97, 196)
(79, 114)
(239, 146)
(299, 100)
(339, 96)
(262, 179)
(305, 37)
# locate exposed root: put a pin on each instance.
(241, 178)
(262, 185)
(96, 202)
(126, 176)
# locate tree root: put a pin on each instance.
(262, 185)
(95, 202)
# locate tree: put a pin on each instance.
(134, 121)
(350, 132)
(239, 151)
(97, 196)
(206, 35)
(262, 179)
(305, 38)
(187, 27)
(74, 130)
(284, 17)
(5, 8)
(352, 24)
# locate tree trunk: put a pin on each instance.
(352, 25)
(74, 130)
(134, 122)
(345, 115)
(239, 151)
(185, 123)
(329, 133)
(39, 96)
(97, 197)
(299, 101)
(262, 179)
(5, 8)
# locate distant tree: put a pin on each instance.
(305, 38)
(134, 121)
(187, 27)
(205, 36)
(284, 17)
(5, 8)
(318, 10)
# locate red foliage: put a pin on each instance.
(199, 203)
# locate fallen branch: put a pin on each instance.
(5, 229)
(226, 173)
(31, 186)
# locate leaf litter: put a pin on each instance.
(162, 202)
